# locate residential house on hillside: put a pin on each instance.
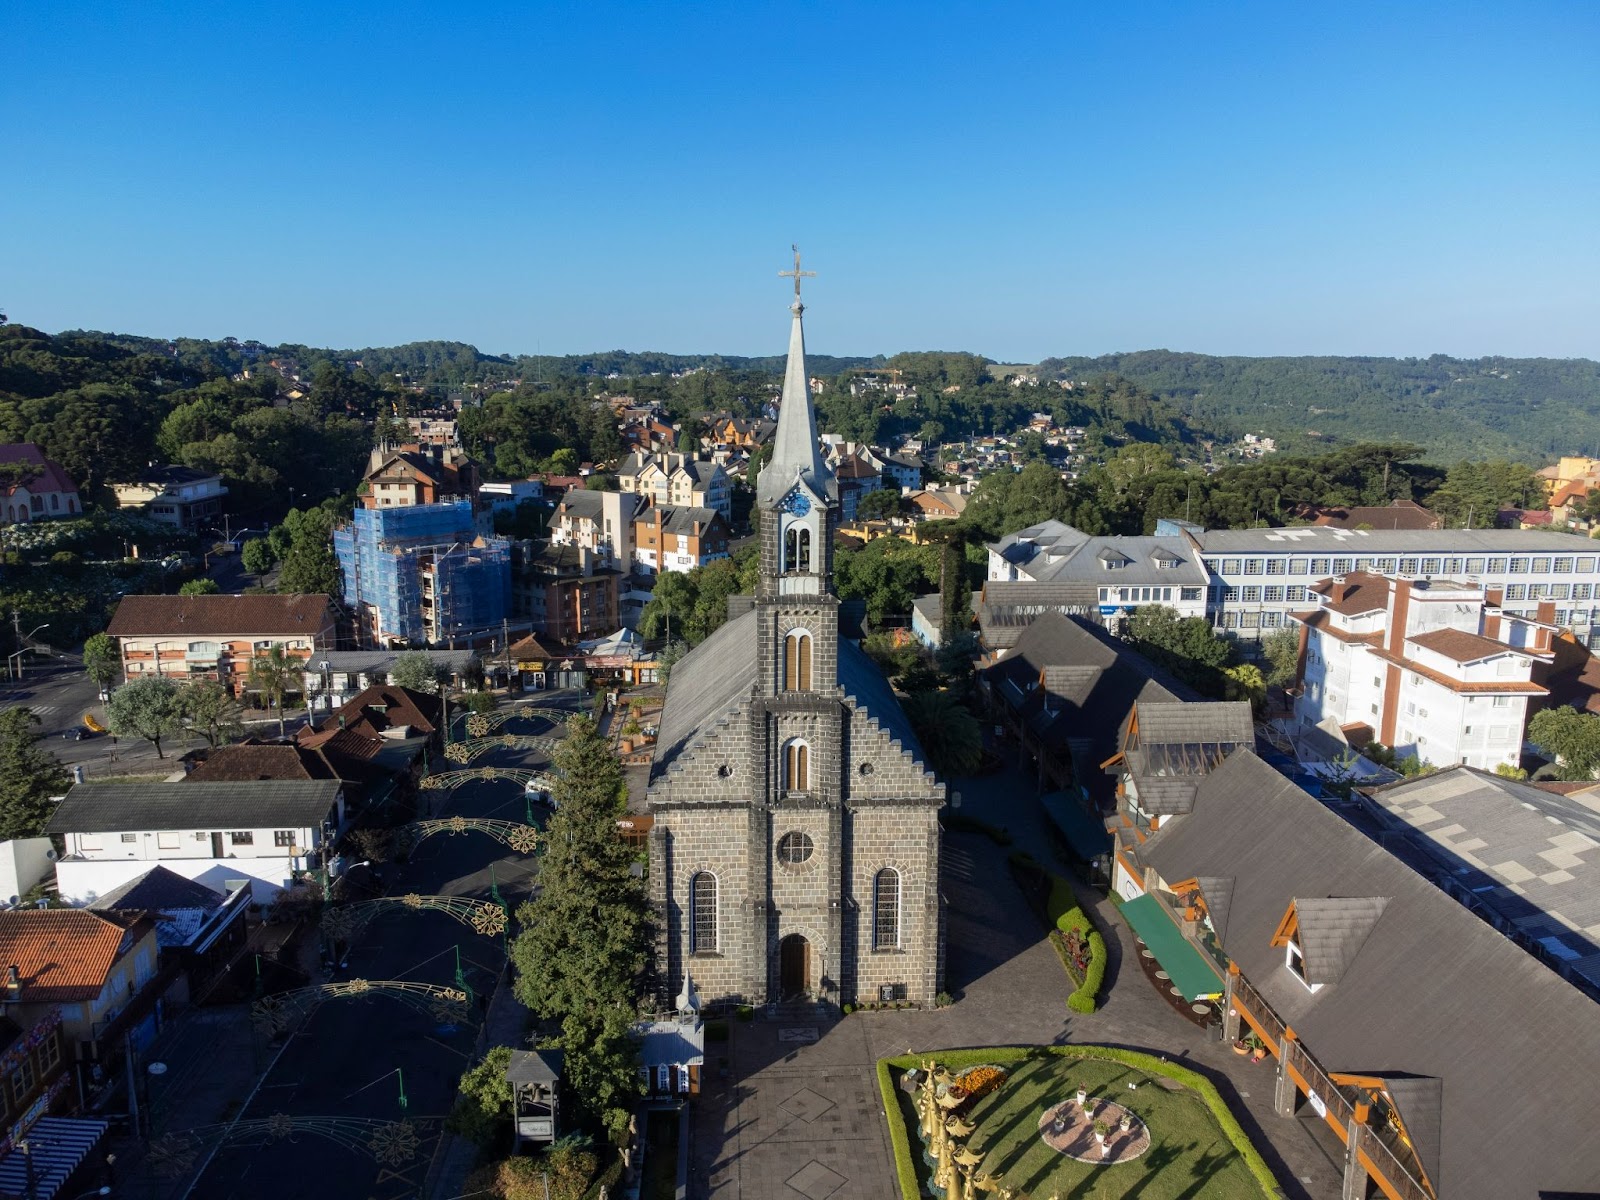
(218, 637)
(677, 479)
(398, 732)
(406, 476)
(1394, 1016)
(33, 487)
(264, 831)
(941, 504)
(856, 478)
(1522, 858)
(1423, 667)
(899, 471)
(670, 538)
(185, 497)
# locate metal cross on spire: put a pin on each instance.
(797, 275)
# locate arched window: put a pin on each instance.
(797, 549)
(703, 913)
(886, 909)
(797, 662)
(797, 767)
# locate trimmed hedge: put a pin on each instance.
(1086, 996)
(900, 1140)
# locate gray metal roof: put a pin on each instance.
(1529, 855)
(675, 1043)
(114, 807)
(1433, 992)
(1328, 540)
(534, 1066)
(1081, 558)
(371, 662)
(157, 889)
(796, 452)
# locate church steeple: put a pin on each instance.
(796, 456)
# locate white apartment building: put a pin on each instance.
(1424, 667)
(1126, 572)
(599, 522)
(1253, 579)
(677, 479)
(1258, 576)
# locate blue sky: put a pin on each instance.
(1016, 180)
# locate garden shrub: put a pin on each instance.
(954, 1060)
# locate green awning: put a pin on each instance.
(1084, 833)
(1178, 958)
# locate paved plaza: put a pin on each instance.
(793, 1117)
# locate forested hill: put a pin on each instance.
(1516, 408)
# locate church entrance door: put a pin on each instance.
(794, 967)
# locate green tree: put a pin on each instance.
(879, 505)
(310, 565)
(950, 735)
(416, 671)
(257, 556)
(210, 710)
(564, 461)
(1246, 682)
(147, 707)
(102, 660)
(482, 1111)
(1570, 737)
(200, 587)
(584, 940)
(1282, 651)
(1186, 646)
(29, 776)
(275, 674)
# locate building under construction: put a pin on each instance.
(421, 574)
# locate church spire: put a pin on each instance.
(795, 452)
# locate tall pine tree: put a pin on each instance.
(29, 776)
(584, 944)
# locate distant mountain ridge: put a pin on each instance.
(1520, 408)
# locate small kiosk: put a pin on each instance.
(535, 1079)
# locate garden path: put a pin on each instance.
(1010, 989)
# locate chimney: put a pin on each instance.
(13, 984)
(1399, 609)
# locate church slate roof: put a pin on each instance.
(713, 680)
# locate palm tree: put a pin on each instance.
(950, 736)
(274, 674)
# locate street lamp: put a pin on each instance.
(22, 648)
(154, 1070)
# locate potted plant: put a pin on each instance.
(1258, 1048)
(1126, 1124)
(1241, 1047)
(629, 731)
(1083, 1098)
(1101, 1132)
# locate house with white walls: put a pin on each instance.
(268, 832)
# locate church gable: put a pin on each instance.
(716, 768)
(881, 766)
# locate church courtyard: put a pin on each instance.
(1044, 1124)
(793, 1109)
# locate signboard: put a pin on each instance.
(542, 1129)
(1317, 1104)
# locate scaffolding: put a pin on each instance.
(420, 573)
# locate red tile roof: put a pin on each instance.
(51, 477)
(64, 955)
(1459, 645)
(385, 706)
(302, 614)
(1359, 592)
(1402, 514)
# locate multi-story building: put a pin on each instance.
(669, 538)
(1125, 572)
(401, 476)
(899, 471)
(679, 479)
(432, 431)
(185, 497)
(1253, 579)
(36, 487)
(600, 523)
(1420, 666)
(422, 574)
(217, 637)
(566, 592)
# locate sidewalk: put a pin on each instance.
(504, 1025)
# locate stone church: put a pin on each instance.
(795, 849)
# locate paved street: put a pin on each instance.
(797, 1118)
(354, 1056)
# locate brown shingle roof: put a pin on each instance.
(221, 616)
(1402, 514)
(64, 954)
(385, 706)
(237, 764)
(1459, 645)
(1359, 592)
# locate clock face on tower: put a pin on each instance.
(796, 504)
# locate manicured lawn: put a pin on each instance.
(1189, 1157)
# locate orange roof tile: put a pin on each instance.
(64, 954)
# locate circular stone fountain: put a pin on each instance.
(1068, 1128)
